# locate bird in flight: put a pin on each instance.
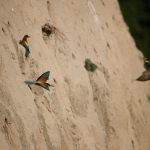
(24, 43)
(41, 81)
(146, 74)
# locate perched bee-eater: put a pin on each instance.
(41, 81)
(24, 43)
(146, 74)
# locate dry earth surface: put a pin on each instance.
(102, 110)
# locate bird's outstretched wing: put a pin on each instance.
(145, 76)
(148, 68)
(44, 85)
(44, 77)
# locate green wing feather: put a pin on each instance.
(44, 77)
(46, 86)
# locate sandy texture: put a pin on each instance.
(103, 110)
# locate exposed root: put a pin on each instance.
(50, 29)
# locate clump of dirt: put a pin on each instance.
(48, 29)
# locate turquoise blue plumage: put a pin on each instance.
(44, 77)
(147, 60)
(29, 82)
(27, 51)
(44, 86)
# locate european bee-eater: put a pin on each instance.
(146, 74)
(41, 81)
(24, 43)
(146, 60)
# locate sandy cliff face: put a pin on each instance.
(103, 110)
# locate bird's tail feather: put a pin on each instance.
(27, 53)
(29, 82)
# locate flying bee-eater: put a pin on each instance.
(146, 60)
(146, 74)
(24, 43)
(41, 81)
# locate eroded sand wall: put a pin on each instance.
(104, 110)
